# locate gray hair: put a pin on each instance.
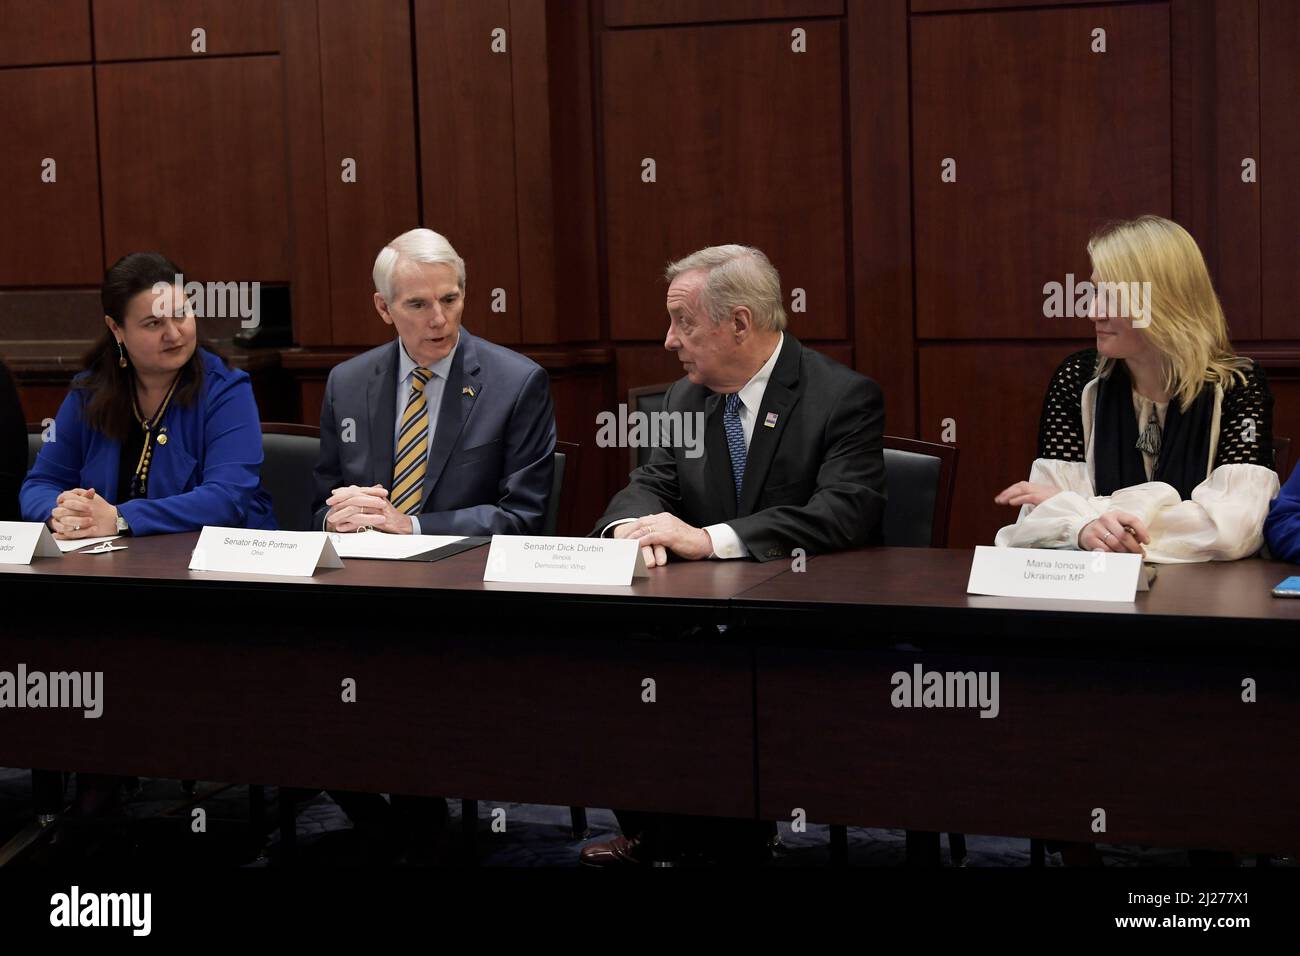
(417, 245)
(735, 275)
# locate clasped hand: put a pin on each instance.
(80, 513)
(354, 508)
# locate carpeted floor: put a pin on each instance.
(154, 827)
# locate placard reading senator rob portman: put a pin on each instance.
(518, 559)
(295, 553)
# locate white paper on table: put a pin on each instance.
(388, 547)
(79, 543)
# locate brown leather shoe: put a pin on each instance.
(619, 851)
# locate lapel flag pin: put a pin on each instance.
(468, 390)
(770, 422)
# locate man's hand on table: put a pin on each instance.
(663, 533)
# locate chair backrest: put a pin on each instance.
(34, 432)
(647, 398)
(1281, 456)
(559, 507)
(288, 467)
(552, 517)
(919, 480)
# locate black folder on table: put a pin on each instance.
(447, 550)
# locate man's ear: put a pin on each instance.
(742, 321)
(382, 308)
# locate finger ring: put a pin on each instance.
(1108, 535)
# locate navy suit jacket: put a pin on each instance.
(491, 464)
(207, 473)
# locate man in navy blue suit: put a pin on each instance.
(437, 432)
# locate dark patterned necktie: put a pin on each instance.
(735, 440)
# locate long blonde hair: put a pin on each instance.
(1186, 320)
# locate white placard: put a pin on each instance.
(392, 547)
(521, 559)
(20, 541)
(1065, 575)
(239, 550)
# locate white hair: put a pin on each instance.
(734, 276)
(417, 245)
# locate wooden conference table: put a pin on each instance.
(535, 693)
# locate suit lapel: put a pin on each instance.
(779, 398)
(717, 459)
(381, 405)
(457, 403)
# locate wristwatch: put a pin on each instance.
(122, 526)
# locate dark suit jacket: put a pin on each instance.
(491, 464)
(816, 480)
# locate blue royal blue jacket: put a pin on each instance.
(207, 473)
(1282, 526)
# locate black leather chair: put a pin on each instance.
(919, 480)
(288, 465)
(34, 442)
(647, 398)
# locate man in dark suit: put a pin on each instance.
(437, 432)
(793, 455)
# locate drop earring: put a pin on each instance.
(121, 356)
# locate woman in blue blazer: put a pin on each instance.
(1282, 527)
(156, 435)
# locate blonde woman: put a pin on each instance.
(1159, 441)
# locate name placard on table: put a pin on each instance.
(520, 559)
(239, 550)
(20, 541)
(1045, 573)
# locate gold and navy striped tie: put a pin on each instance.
(412, 447)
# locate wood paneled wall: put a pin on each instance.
(816, 129)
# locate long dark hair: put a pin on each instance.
(108, 387)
